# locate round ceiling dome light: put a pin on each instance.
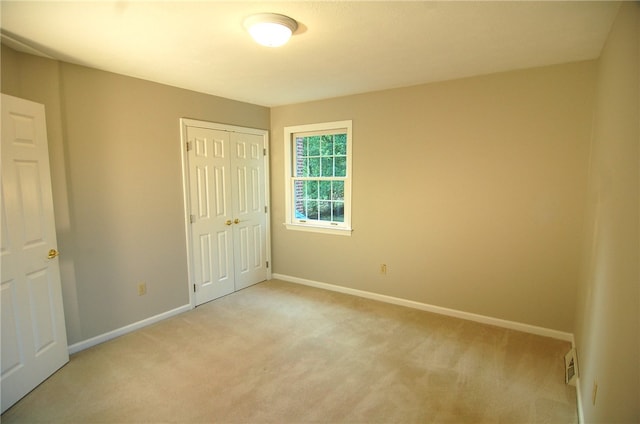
(270, 29)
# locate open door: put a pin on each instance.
(34, 339)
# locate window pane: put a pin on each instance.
(311, 189)
(311, 209)
(341, 166)
(337, 190)
(325, 190)
(325, 210)
(298, 189)
(302, 167)
(313, 145)
(301, 146)
(313, 167)
(340, 143)
(338, 211)
(327, 145)
(327, 167)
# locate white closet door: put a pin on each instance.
(248, 186)
(211, 213)
(227, 192)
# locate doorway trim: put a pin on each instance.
(188, 122)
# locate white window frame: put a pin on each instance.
(292, 223)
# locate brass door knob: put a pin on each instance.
(228, 222)
(52, 254)
(236, 221)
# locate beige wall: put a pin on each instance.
(471, 191)
(116, 170)
(607, 328)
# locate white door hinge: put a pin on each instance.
(267, 264)
(264, 152)
(192, 219)
(188, 146)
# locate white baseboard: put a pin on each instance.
(512, 325)
(77, 347)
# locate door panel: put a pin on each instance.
(206, 273)
(249, 203)
(11, 344)
(211, 204)
(34, 340)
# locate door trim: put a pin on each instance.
(188, 122)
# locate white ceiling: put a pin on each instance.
(341, 47)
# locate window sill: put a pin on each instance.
(325, 230)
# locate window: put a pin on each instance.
(318, 177)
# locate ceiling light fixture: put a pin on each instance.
(270, 29)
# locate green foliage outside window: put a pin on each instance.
(321, 165)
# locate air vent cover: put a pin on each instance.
(570, 367)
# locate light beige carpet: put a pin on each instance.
(284, 353)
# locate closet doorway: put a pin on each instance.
(225, 173)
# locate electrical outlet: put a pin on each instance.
(595, 392)
(383, 269)
(142, 288)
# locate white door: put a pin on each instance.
(34, 340)
(250, 218)
(227, 207)
(211, 213)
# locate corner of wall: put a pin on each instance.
(607, 325)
